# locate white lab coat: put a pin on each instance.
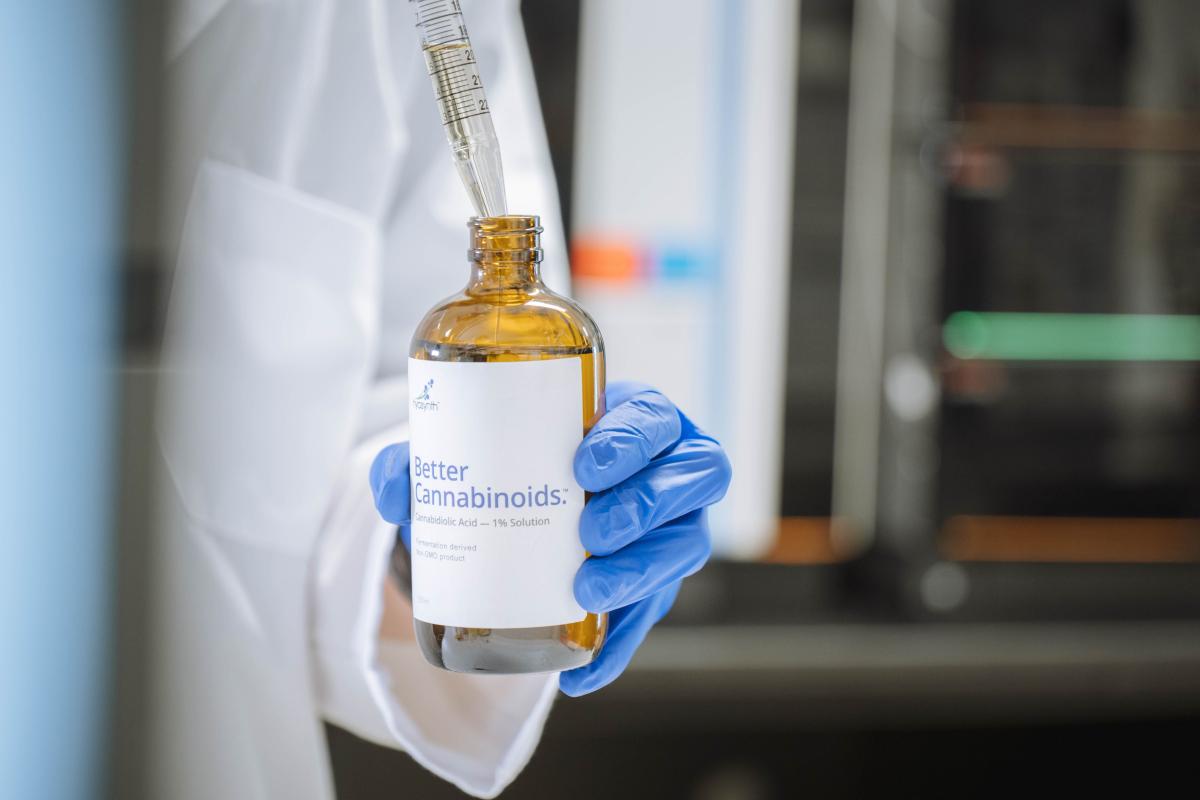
(315, 215)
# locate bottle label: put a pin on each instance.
(495, 511)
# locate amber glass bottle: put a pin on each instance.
(495, 540)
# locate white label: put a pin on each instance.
(495, 512)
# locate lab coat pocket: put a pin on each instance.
(270, 343)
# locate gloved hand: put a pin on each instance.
(652, 472)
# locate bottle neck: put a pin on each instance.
(505, 253)
(504, 273)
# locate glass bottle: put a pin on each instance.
(506, 314)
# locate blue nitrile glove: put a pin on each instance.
(653, 473)
(392, 489)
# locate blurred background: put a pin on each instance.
(931, 269)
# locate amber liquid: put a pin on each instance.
(507, 314)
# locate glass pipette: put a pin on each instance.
(466, 117)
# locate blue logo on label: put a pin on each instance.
(422, 400)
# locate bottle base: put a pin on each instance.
(511, 651)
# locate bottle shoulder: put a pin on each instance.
(526, 319)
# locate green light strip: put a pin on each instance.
(1072, 337)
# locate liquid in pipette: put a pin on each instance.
(466, 115)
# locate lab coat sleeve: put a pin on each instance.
(476, 731)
